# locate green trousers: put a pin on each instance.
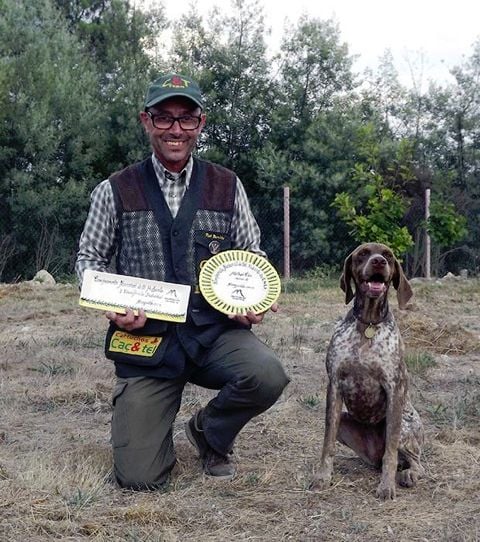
(249, 377)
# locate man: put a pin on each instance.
(159, 217)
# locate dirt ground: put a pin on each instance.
(55, 460)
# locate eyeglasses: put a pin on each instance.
(165, 122)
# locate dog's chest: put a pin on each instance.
(363, 369)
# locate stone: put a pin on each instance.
(44, 277)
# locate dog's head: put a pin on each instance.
(373, 267)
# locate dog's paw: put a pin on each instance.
(386, 491)
(408, 477)
(320, 482)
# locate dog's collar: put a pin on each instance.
(371, 323)
(371, 328)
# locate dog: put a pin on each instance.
(367, 374)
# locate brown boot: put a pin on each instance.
(214, 464)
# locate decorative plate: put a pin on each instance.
(237, 282)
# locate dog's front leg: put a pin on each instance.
(396, 400)
(333, 412)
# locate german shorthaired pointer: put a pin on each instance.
(367, 373)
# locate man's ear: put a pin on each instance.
(346, 279)
(401, 284)
(203, 120)
(145, 120)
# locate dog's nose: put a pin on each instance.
(378, 261)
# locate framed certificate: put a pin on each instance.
(237, 282)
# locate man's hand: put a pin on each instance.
(128, 321)
(251, 317)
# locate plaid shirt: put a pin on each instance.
(99, 237)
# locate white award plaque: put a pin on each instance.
(237, 282)
(111, 292)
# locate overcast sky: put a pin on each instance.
(440, 31)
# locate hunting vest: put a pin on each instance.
(154, 245)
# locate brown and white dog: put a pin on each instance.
(368, 375)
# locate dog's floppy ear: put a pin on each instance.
(346, 279)
(401, 284)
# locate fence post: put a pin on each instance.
(427, 236)
(286, 232)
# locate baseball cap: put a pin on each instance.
(172, 85)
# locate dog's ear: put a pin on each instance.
(401, 284)
(346, 279)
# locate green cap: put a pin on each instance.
(171, 85)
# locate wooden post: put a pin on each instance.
(427, 236)
(286, 232)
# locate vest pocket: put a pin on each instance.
(142, 347)
(204, 315)
(208, 243)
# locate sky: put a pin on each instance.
(426, 36)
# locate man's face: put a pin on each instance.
(173, 145)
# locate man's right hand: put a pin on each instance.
(128, 321)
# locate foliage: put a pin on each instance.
(51, 129)
(315, 68)
(375, 210)
(66, 122)
(309, 147)
(228, 57)
(445, 225)
(118, 38)
(380, 222)
(73, 74)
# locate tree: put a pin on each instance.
(121, 40)
(229, 59)
(380, 222)
(315, 68)
(384, 97)
(309, 148)
(451, 146)
(51, 131)
(375, 206)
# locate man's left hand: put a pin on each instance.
(252, 318)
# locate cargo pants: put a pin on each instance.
(249, 377)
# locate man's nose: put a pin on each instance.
(176, 128)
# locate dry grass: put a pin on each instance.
(55, 461)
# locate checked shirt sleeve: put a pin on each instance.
(98, 240)
(245, 231)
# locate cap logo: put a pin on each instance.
(176, 82)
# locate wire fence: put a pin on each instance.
(292, 242)
(300, 248)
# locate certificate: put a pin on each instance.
(111, 292)
(237, 282)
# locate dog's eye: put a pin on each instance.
(387, 255)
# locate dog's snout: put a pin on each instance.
(378, 261)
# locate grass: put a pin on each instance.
(55, 456)
(458, 411)
(52, 369)
(318, 278)
(419, 362)
(311, 401)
